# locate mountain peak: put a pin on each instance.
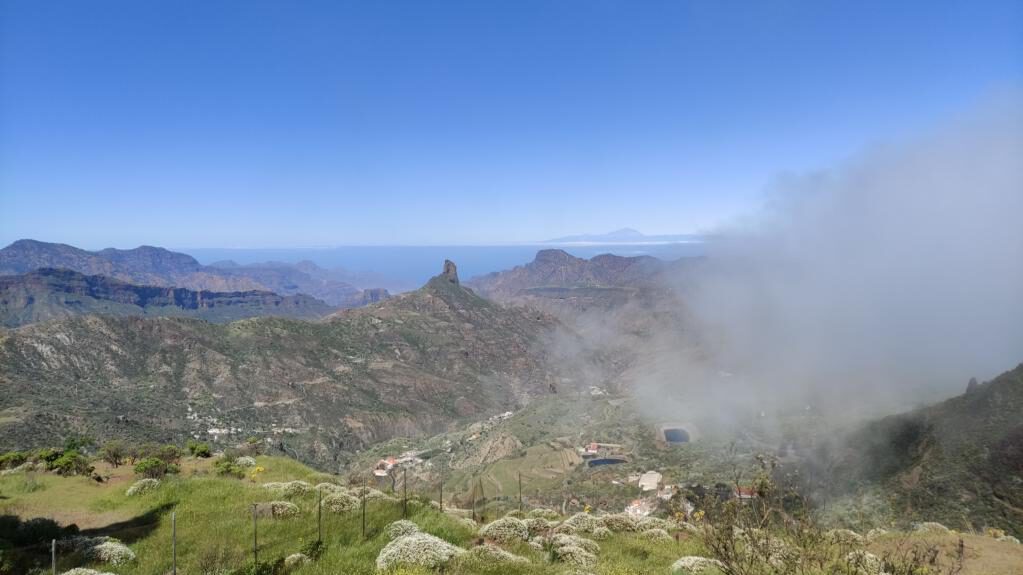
(450, 272)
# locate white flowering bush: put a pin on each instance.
(401, 528)
(657, 535)
(340, 503)
(1008, 539)
(245, 461)
(81, 543)
(543, 513)
(566, 540)
(142, 486)
(930, 527)
(693, 565)
(575, 556)
(295, 560)
(84, 571)
(844, 537)
(505, 530)
(420, 549)
(373, 494)
(863, 563)
(113, 552)
(489, 553)
(619, 522)
(283, 509)
(601, 534)
(538, 525)
(327, 488)
(580, 523)
(288, 488)
(876, 533)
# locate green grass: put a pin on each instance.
(214, 520)
(215, 526)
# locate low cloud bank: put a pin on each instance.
(894, 278)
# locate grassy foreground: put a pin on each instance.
(215, 528)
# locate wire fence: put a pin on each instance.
(66, 553)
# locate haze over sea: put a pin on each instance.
(408, 267)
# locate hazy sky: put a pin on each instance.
(255, 124)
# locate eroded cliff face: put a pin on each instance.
(320, 390)
(56, 293)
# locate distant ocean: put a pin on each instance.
(408, 267)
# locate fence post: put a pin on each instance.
(53, 556)
(255, 536)
(520, 491)
(319, 515)
(363, 515)
(174, 543)
(404, 493)
(474, 500)
(442, 496)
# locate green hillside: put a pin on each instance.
(959, 462)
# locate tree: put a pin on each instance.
(198, 449)
(154, 468)
(114, 452)
(71, 463)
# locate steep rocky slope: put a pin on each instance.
(959, 462)
(319, 390)
(56, 293)
(152, 266)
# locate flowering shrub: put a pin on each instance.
(505, 529)
(564, 540)
(693, 565)
(489, 553)
(1008, 539)
(340, 503)
(844, 537)
(863, 563)
(245, 461)
(288, 488)
(542, 513)
(657, 535)
(537, 525)
(401, 528)
(113, 552)
(326, 488)
(372, 494)
(576, 556)
(876, 533)
(601, 533)
(417, 549)
(619, 522)
(647, 523)
(580, 523)
(84, 571)
(283, 509)
(295, 560)
(142, 486)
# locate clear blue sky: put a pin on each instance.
(256, 124)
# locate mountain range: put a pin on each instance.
(153, 266)
(320, 390)
(47, 294)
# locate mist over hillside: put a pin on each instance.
(890, 279)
